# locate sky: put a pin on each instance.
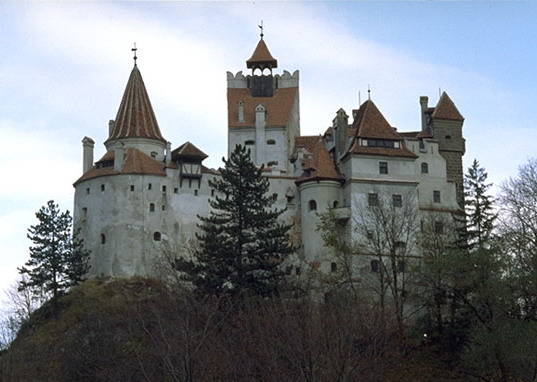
(64, 67)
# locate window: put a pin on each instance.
(379, 143)
(103, 238)
(422, 227)
(312, 204)
(164, 207)
(399, 246)
(175, 190)
(271, 142)
(195, 192)
(333, 267)
(85, 211)
(149, 186)
(438, 227)
(151, 207)
(102, 187)
(87, 191)
(154, 154)
(289, 270)
(424, 168)
(336, 204)
(422, 146)
(250, 142)
(397, 200)
(448, 136)
(401, 266)
(436, 196)
(132, 187)
(157, 236)
(372, 200)
(212, 192)
(383, 167)
(375, 266)
(369, 234)
(298, 271)
(163, 188)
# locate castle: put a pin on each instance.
(143, 197)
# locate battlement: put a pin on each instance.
(284, 80)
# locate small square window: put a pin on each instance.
(132, 187)
(438, 227)
(436, 196)
(163, 188)
(401, 266)
(424, 168)
(151, 207)
(383, 167)
(175, 190)
(333, 267)
(195, 192)
(369, 235)
(397, 200)
(375, 266)
(373, 200)
(84, 211)
(102, 187)
(164, 207)
(298, 271)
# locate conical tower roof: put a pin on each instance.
(370, 123)
(135, 117)
(261, 57)
(446, 109)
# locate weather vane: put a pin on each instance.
(368, 92)
(261, 27)
(134, 50)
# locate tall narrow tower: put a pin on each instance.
(263, 110)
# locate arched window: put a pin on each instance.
(151, 207)
(249, 142)
(103, 238)
(336, 204)
(333, 267)
(312, 204)
(424, 168)
(375, 266)
(157, 236)
(271, 142)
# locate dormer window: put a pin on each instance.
(380, 143)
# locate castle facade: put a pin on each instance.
(143, 197)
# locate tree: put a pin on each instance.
(58, 259)
(241, 244)
(480, 214)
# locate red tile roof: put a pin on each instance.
(319, 166)
(446, 109)
(370, 123)
(278, 106)
(188, 150)
(134, 162)
(261, 57)
(135, 117)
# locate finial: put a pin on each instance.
(439, 92)
(134, 50)
(368, 92)
(359, 98)
(261, 28)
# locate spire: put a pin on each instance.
(135, 117)
(261, 58)
(446, 109)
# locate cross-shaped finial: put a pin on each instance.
(134, 50)
(261, 28)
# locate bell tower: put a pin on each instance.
(263, 110)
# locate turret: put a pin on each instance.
(87, 156)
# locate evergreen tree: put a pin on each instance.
(58, 259)
(480, 215)
(241, 244)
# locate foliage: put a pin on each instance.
(58, 259)
(242, 243)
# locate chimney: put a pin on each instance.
(168, 152)
(119, 154)
(423, 102)
(260, 114)
(241, 111)
(341, 125)
(111, 125)
(87, 154)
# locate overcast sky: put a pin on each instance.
(63, 69)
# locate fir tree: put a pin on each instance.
(480, 215)
(58, 259)
(241, 244)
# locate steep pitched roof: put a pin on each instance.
(261, 57)
(370, 123)
(135, 117)
(446, 109)
(319, 166)
(188, 150)
(307, 141)
(278, 106)
(134, 162)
